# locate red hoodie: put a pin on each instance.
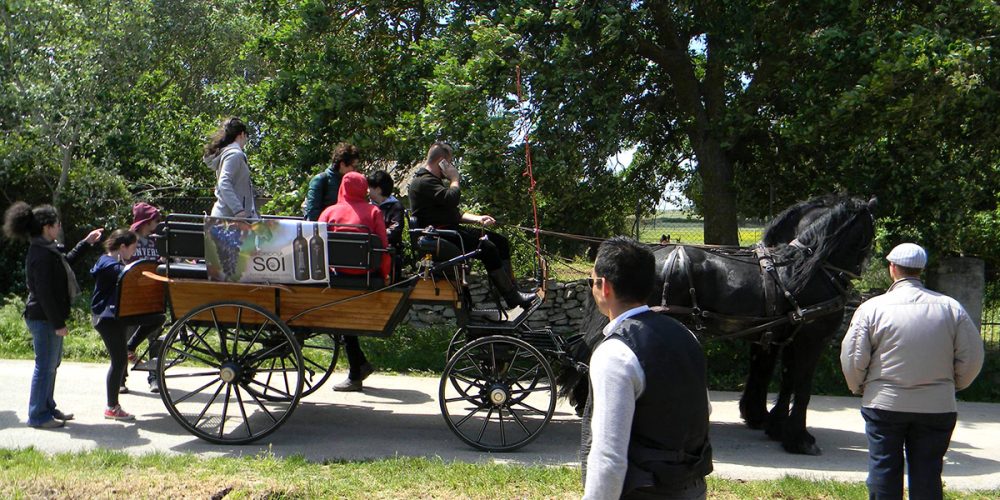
(352, 207)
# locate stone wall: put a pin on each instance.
(562, 309)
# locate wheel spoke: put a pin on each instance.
(475, 365)
(526, 405)
(317, 365)
(197, 358)
(518, 420)
(211, 351)
(267, 353)
(486, 422)
(475, 410)
(188, 375)
(503, 436)
(266, 387)
(463, 398)
(260, 404)
(253, 340)
(493, 359)
(270, 372)
(513, 359)
(236, 334)
(222, 335)
(530, 390)
(285, 376)
(225, 410)
(243, 411)
(195, 392)
(471, 382)
(209, 404)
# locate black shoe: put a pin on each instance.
(59, 415)
(349, 386)
(123, 389)
(366, 370)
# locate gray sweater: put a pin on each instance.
(233, 187)
(909, 349)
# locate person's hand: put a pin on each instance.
(487, 220)
(449, 170)
(62, 332)
(94, 235)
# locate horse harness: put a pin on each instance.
(774, 291)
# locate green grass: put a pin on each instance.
(30, 473)
(82, 344)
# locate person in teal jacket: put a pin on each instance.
(323, 188)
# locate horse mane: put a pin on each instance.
(782, 228)
(821, 237)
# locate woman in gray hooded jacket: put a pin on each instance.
(234, 195)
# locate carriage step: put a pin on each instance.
(540, 340)
(492, 315)
(148, 365)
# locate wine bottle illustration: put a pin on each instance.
(300, 256)
(317, 258)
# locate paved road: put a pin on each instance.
(399, 415)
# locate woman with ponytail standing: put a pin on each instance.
(52, 287)
(119, 248)
(234, 195)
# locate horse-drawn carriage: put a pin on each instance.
(238, 357)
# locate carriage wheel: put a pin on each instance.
(217, 364)
(319, 357)
(458, 340)
(497, 393)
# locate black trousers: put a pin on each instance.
(113, 334)
(495, 248)
(355, 356)
(923, 439)
(148, 328)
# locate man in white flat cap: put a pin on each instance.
(907, 352)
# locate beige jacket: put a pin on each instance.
(910, 349)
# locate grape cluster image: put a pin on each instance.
(228, 241)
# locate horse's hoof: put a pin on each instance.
(755, 423)
(803, 449)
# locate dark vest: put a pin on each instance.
(669, 445)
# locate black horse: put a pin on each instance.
(814, 249)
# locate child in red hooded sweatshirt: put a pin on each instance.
(352, 207)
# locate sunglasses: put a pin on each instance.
(592, 281)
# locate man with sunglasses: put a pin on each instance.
(645, 427)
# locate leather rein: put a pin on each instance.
(798, 316)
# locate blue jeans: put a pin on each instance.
(48, 354)
(923, 436)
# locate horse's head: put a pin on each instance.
(841, 238)
(796, 219)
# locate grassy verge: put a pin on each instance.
(30, 474)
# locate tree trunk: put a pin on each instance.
(66, 164)
(718, 197)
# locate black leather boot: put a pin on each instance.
(513, 279)
(511, 295)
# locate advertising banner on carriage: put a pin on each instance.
(266, 251)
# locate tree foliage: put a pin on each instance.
(749, 105)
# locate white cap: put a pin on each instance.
(908, 255)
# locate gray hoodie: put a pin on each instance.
(233, 188)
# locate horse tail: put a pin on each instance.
(573, 384)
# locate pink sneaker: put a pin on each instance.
(117, 413)
(132, 357)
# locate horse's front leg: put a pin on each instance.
(779, 412)
(807, 347)
(753, 403)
